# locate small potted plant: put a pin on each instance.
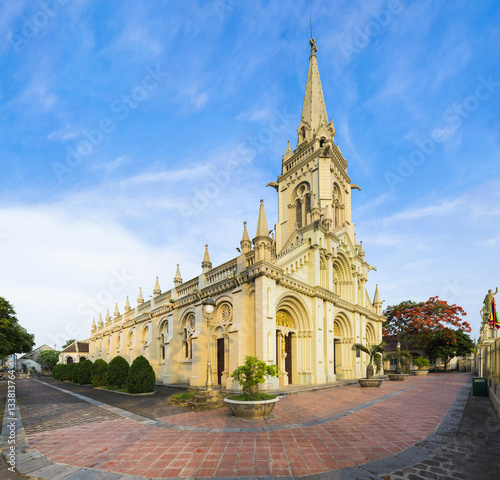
(401, 357)
(376, 354)
(422, 366)
(252, 403)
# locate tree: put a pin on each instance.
(85, 372)
(403, 359)
(68, 343)
(13, 337)
(414, 324)
(48, 358)
(448, 344)
(141, 377)
(251, 374)
(375, 353)
(99, 370)
(117, 371)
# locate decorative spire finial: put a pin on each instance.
(246, 244)
(127, 305)
(140, 298)
(178, 278)
(157, 289)
(314, 49)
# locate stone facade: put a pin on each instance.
(295, 296)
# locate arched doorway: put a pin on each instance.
(284, 354)
(343, 341)
(224, 319)
(293, 341)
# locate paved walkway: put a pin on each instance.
(402, 430)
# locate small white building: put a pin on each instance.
(75, 352)
(31, 359)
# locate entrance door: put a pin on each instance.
(288, 358)
(220, 359)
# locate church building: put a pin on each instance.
(295, 295)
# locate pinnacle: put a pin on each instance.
(262, 228)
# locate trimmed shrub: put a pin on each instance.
(117, 372)
(75, 372)
(71, 371)
(56, 371)
(99, 370)
(85, 372)
(141, 377)
(64, 372)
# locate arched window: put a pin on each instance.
(82, 359)
(69, 360)
(162, 347)
(188, 326)
(303, 133)
(298, 211)
(308, 204)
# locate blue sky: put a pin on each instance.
(133, 133)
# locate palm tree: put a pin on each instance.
(402, 357)
(376, 354)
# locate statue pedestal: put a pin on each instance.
(206, 400)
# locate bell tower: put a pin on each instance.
(313, 185)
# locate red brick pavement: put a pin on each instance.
(377, 431)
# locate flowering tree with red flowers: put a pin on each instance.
(415, 324)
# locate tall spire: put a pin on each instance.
(262, 229)
(376, 298)
(117, 312)
(140, 298)
(314, 108)
(177, 278)
(377, 302)
(288, 152)
(157, 289)
(246, 244)
(361, 254)
(206, 265)
(127, 305)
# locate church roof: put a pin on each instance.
(314, 108)
(80, 347)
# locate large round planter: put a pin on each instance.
(257, 409)
(397, 377)
(370, 382)
(420, 373)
